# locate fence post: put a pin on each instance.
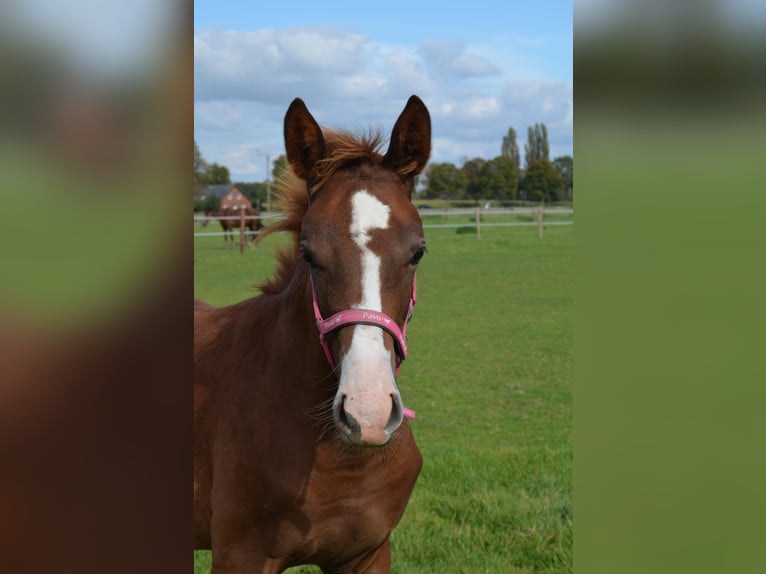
(241, 230)
(540, 219)
(478, 223)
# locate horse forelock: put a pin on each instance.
(344, 149)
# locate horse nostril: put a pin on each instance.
(397, 414)
(346, 419)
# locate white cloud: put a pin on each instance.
(482, 107)
(407, 74)
(454, 151)
(320, 50)
(244, 82)
(548, 102)
(363, 86)
(451, 59)
(263, 64)
(217, 115)
(248, 161)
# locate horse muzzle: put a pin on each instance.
(368, 427)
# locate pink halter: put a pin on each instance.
(365, 317)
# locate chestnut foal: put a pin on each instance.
(303, 451)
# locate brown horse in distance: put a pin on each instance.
(229, 226)
(297, 461)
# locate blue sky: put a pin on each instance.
(481, 67)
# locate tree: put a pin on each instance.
(218, 174)
(542, 181)
(472, 170)
(445, 180)
(565, 165)
(536, 147)
(210, 203)
(200, 170)
(499, 178)
(510, 149)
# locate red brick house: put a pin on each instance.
(231, 197)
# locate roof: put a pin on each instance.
(218, 190)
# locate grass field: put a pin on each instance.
(490, 376)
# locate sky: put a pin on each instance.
(481, 67)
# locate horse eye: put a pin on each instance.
(308, 257)
(417, 256)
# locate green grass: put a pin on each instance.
(490, 376)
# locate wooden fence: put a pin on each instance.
(241, 218)
(450, 218)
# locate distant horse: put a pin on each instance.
(302, 452)
(229, 226)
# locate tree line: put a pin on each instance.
(503, 178)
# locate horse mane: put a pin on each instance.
(344, 148)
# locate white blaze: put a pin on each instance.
(368, 213)
(366, 376)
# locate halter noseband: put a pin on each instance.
(363, 317)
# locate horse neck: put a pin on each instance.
(304, 359)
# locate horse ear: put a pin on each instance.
(410, 140)
(304, 142)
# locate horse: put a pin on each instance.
(254, 223)
(303, 450)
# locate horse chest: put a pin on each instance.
(350, 509)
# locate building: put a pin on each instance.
(231, 197)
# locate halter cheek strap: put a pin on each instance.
(363, 317)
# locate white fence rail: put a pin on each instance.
(526, 210)
(539, 212)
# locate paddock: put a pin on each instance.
(489, 374)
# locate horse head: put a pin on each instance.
(361, 240)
